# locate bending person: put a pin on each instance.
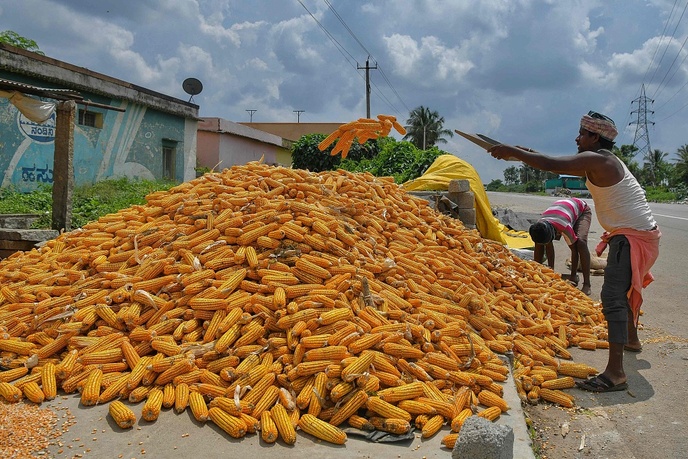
(569, 218)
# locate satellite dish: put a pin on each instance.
(192, 86)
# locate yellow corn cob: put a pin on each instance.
(64, 369)
(151, 409)
(490, 413)
(391, 425)
(326, 353)
(266, 401)
(168, 395)
(556, 396)
(53, 347)
(565, 382)
(359, 366)
(405, 392)
(181, 367)
(433, 426)
(365, 342)
(16, 346)
(268, 429)
(91, 391)
(9, 392)
(449, 440)
(181, 397)
(49, 381)
(114, 389)
(415, 407)
(311, 268)
(387, 410)
(357, 400)
(12, 374)
(359, 422)
(33, 392)
(198, 406)
(100, 357)
(233, 425)
(284, 424)
(138, 394)
(489, 398)
(459, 419)
(577, 370)
(322, 430)
(122, 414)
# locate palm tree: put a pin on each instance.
(655, 167)
(682, 164)
(425, 129)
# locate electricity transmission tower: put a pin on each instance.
(642, 137)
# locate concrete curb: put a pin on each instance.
(515, 418)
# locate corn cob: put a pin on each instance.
(181, 397)
(9, 392)
(233, 425)
(268, 429)
(357, 400)
(12, 374)
(556, 396)
(321, 429)
(405, 392)
(198, 406)
(33, 392)
(284, 424)
(151, 409)
(433, 426)
(123, 416)
(49, 381)
(387, 410)
(391, 425)
(490, 413)
(489, 398)
(91, 390)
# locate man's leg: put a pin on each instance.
(617, 281)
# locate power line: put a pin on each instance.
(384, 76)
(665, 50)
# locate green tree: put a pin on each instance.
(494, 185)
(511, 175)
(425, 128)
(681, 165)
(13, 38)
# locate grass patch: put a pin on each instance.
(89, 202)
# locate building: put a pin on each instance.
(120, 129)
(223, 143)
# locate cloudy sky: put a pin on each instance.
(521, 71)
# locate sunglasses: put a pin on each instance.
(599, 116)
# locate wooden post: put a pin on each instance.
(63, 166)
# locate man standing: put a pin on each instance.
(630, 231)
(570, 218)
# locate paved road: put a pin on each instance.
(651, 419)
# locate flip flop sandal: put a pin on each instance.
(600, 383)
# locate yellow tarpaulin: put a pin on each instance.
(449, 167)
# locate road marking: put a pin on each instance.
(670, 216)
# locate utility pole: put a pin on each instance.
(298, 114)
(251, 112)
(367, 69)
(642, 137)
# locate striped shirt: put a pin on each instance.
(563, 214)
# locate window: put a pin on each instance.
(90, 119)
(169, 153)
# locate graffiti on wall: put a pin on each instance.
(34, 174)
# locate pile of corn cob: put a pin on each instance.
(268, 299)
